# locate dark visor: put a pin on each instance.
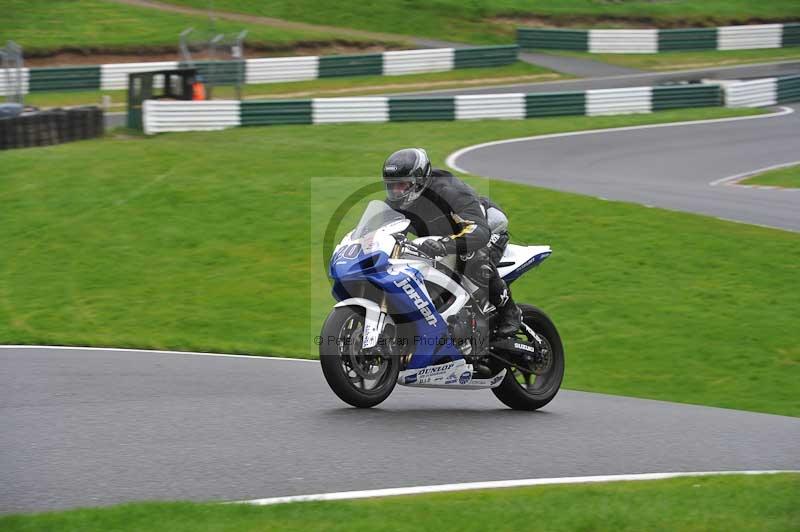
(398, 187)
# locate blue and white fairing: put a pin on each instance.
(519, 259)
(363, 256)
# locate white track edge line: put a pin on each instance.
(451, 159)
(440, 488)
(155, 351)
(731, 179)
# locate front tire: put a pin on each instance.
(526, 390)
(359, 378)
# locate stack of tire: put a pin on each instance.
(32, 128)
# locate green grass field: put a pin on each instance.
(46, 25)
(688, 59)
(783, 177)
(495, 20)
(518, 72)
(741, 503)
(207, 241)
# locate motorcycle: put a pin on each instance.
(406, 318)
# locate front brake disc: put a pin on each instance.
(362, 364)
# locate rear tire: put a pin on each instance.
(534, 391)
(345, 365)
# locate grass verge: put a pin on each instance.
(689, 60)
(46, 25)
(743, 503)
(518, 72)
(494, 21)
(783, 177)
(206, 241)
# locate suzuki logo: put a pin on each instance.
(524, 347)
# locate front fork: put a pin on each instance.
(375, 318)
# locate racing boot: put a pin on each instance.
(509, 319)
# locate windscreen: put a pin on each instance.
(376, 215)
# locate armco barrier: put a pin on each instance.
(747, 37)
(185, 116)
(272, 70)
(756, 93)
(683, 96)
(687, 39)
(623, 41)
(791, 35)
(789, 89)
(282, 69)
(619, 101)
(411, 109)
(419, 61)
(68, 78)
(653, 40)
(555, 104)
(163, 116)
(168, 115)
(256, 113)
(553, 39)
(490, 106)
(763, 92)
(341, 110)
(11, 77)
(485, 57)
(351, 65)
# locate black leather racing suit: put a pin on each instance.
(449, 207)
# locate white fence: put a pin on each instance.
(756, 93)
(276, 70)
(340, 110)
(12, 74)
(163, 116)
(623, 41)
(619, 101)
(648, 41)
(747, 37)
(416, 61)
(282, 69)
(490, 106)
(159, 116)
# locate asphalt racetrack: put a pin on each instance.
(669, 166)
(96, 427)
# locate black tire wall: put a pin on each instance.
(54, 126)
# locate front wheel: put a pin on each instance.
(531, 390)
(361, 378)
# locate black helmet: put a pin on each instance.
(406, 173)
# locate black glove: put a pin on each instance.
(436, 248)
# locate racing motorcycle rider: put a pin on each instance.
(439, 204)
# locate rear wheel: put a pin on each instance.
(532, 387)
(359, 377)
